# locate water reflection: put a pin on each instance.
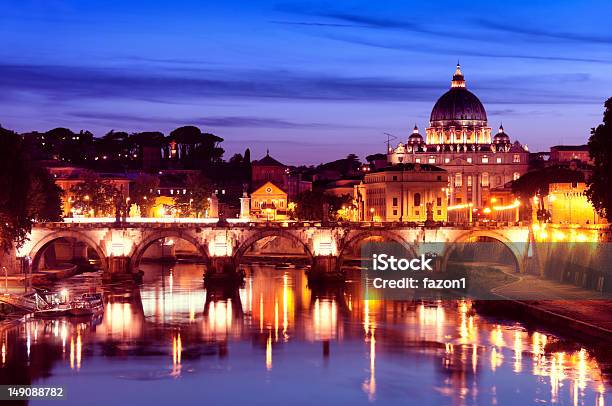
(276, 332)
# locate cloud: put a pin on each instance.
(436, 50)
(72, 84)
(316, 24)
(63, 83)
(351, 20)
(527, 30)
(213, 121)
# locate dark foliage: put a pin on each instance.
(600, 149)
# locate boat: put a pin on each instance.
(86, 305)
(56, 311)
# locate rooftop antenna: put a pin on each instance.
(389, 138)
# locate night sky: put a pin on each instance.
(312, 80)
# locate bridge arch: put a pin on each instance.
(365, 234)
(259, 235)
(139, 250)
(39, 248)
(470, 235)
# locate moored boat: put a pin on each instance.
(86, 305)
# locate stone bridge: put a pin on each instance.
(121, 247)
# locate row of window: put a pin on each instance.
(484, 179)
(276, 203)
(416, 200)
(516, 158)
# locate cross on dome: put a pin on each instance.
(458, 79)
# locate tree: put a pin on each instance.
(205, 146)
(45, 197)
(312, 205)
(599, 189)
(236, 159)
(27, 192)
(144, 192)
(536, 182)
(94, 196)
(345, 166)
(195, 202)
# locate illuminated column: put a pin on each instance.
(245, 207)
(118, 267)
(213, 210)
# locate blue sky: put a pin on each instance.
(313, 80)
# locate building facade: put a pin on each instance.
(269, 202)
(268, 169)
(567, 203)
(459, 140)
(66, 177)
(560, 154)
(403, 192)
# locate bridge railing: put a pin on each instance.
(190, 222)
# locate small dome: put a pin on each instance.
(415, 137)
(458, 104)
(501, 137)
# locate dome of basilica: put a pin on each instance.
(458, 106)
(415, 137)
(501, 137)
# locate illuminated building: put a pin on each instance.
(269, 202)
(459, 140)
(567, 203)
(268, 169)
(403, 192)
(560, 154)
(68, 176)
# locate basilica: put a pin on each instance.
(459, 140)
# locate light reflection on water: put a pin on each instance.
(275, 340)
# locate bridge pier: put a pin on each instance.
(118, 269)
(222, 269)
(325, 269)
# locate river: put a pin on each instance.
(275, 341)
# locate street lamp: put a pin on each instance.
(372, 212)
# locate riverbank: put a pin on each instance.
(570, 310)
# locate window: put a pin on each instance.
(498, 160)
(458, 180)
(395, 212)
(469, 160)
(417, 199)
(485, 179)
(417, 160)
(469, 181)
(395, 201)
(394, 177)
(446, 160)
(439, 212)
(516, 175)
(516, 158)
(485, 159)
(432, 160)
(458, 200)
(439, 201)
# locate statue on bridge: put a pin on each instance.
(430, 220)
